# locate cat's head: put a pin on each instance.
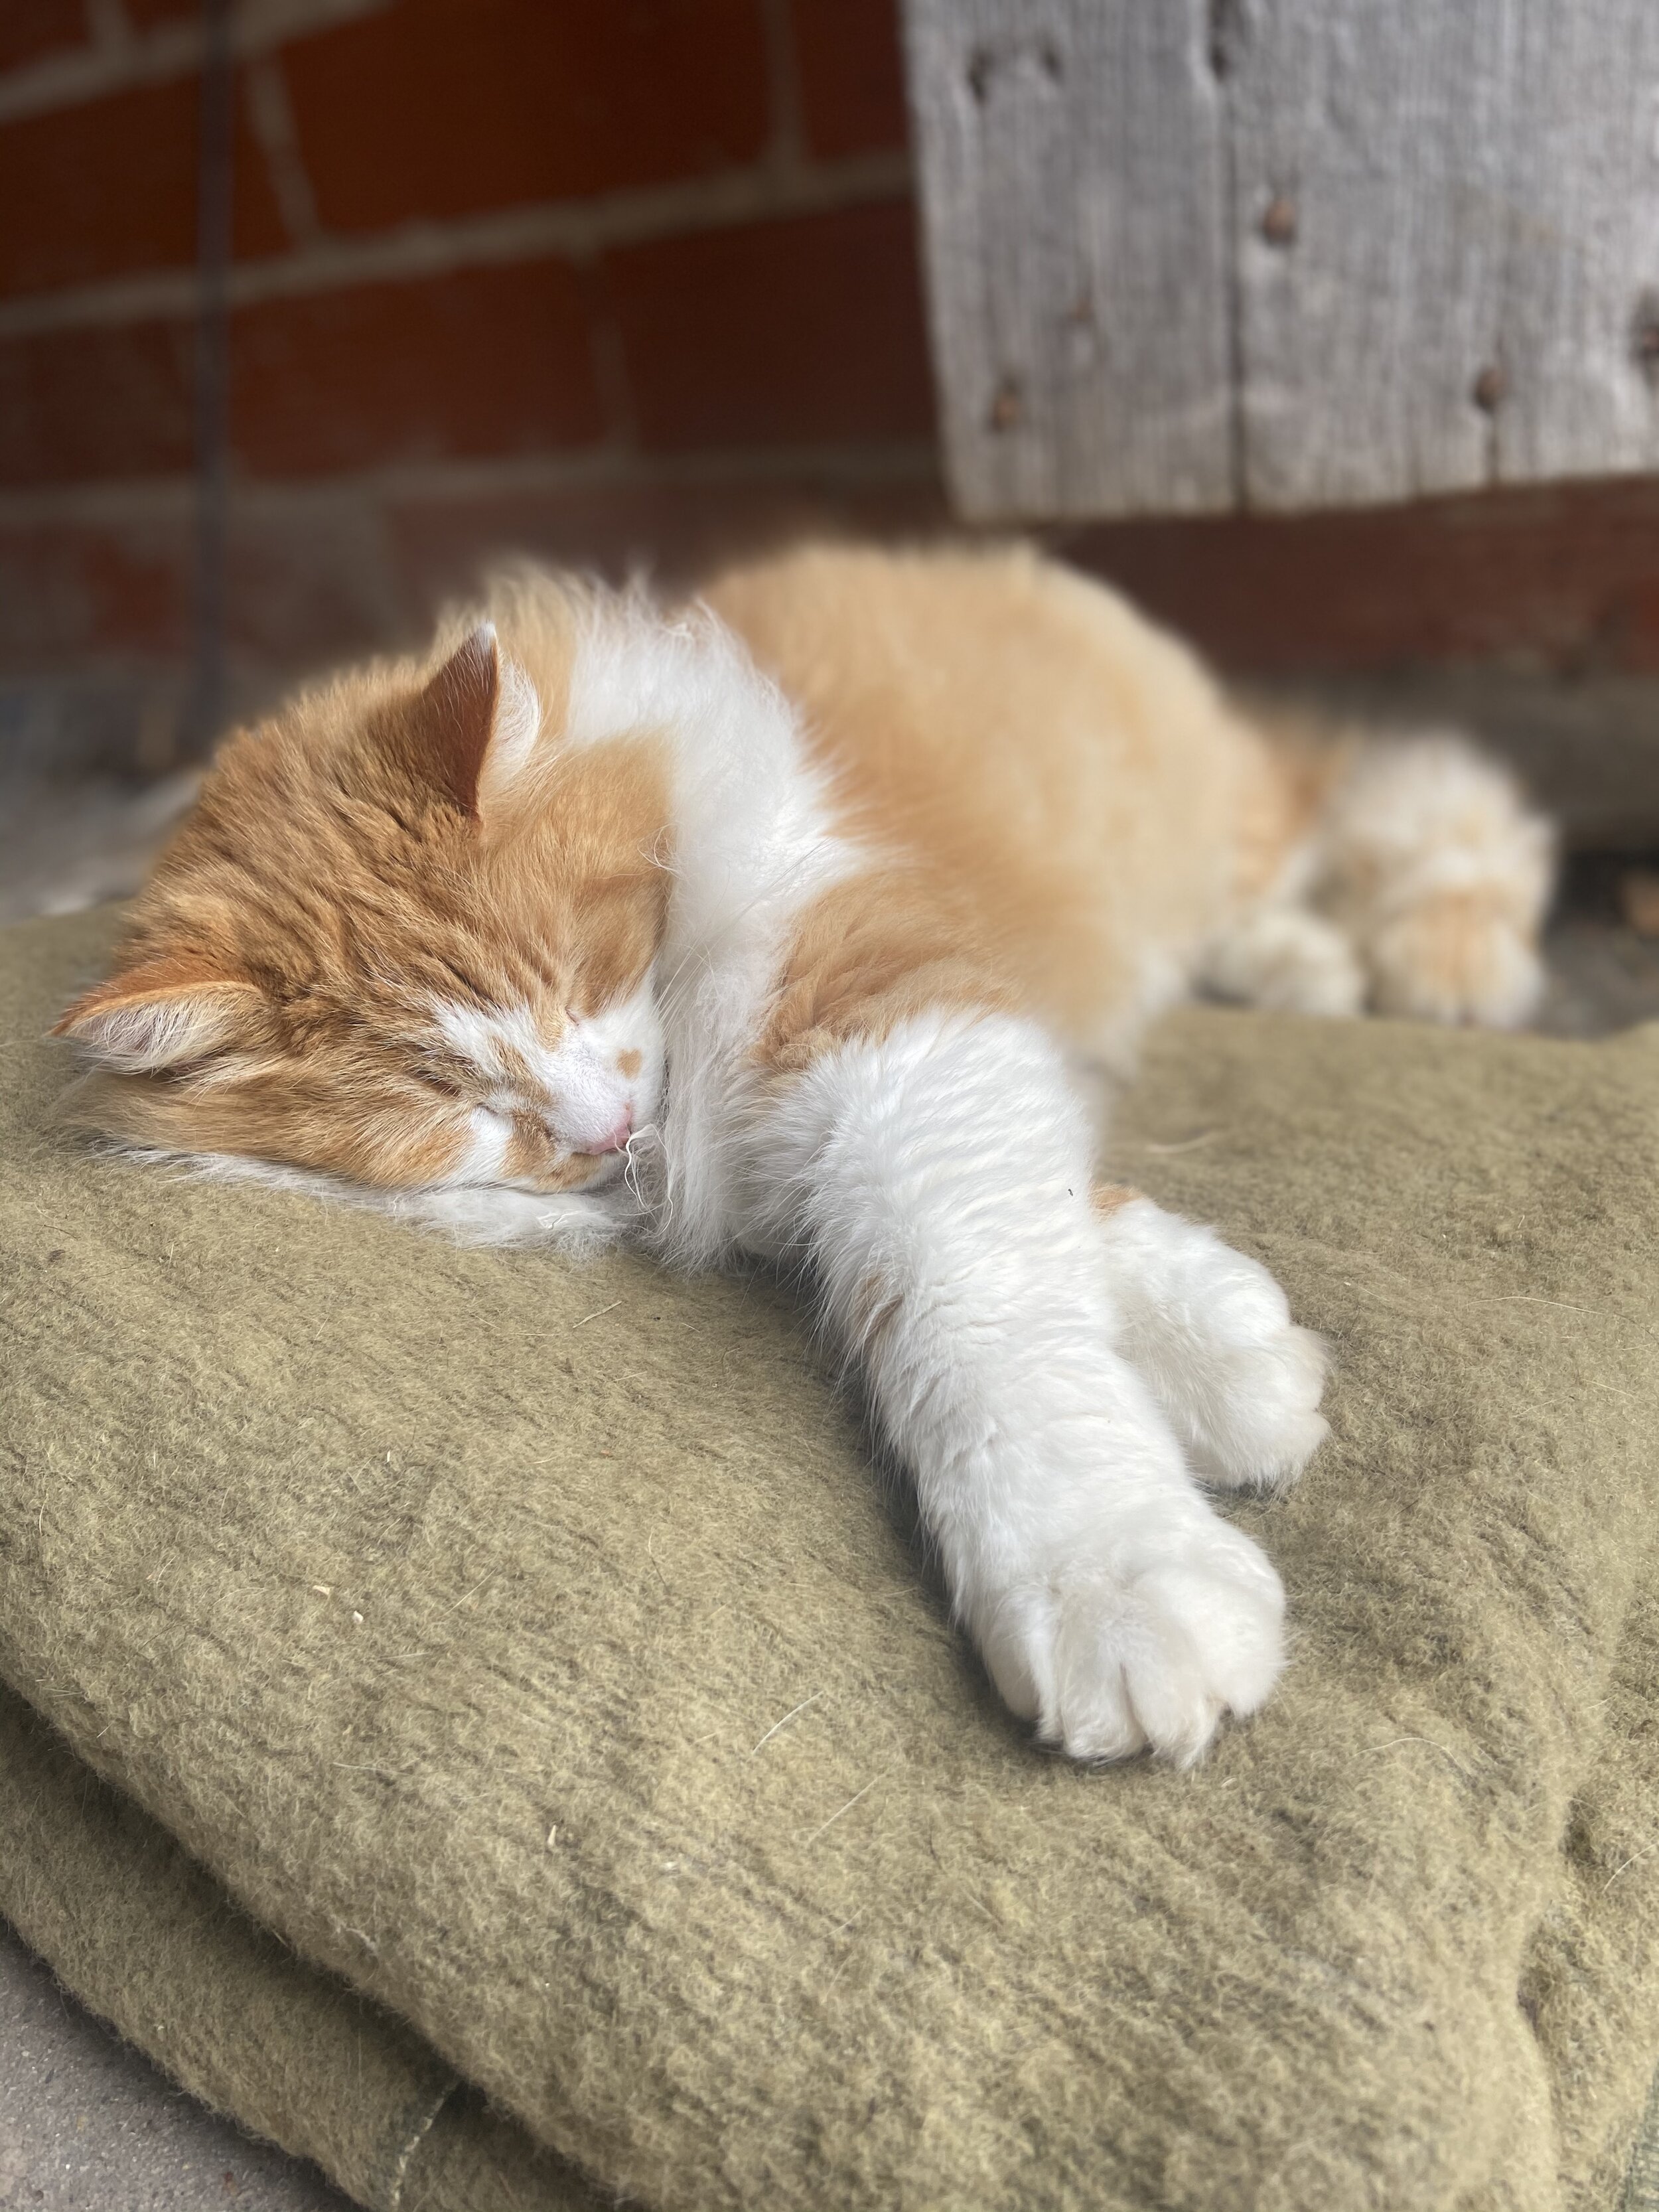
(406, 937)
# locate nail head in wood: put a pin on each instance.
(1279, 222)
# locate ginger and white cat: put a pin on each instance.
(803, 922)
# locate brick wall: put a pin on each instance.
(600, 278)
(596, 278)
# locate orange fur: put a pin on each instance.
(870, 953)
(339, 877)
(1056, 808)
(1064, 785)
(1299, 759)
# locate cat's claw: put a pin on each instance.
(1117, 1655)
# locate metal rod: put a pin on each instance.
(214, 202)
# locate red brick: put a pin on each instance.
(794, 332)
(70, 590)
(852, 76)
(479, 361)
(303, 589)
(102, 402)
(1564, 578)
(29, 28)
(447, 107)
(145, 15)
(108, 188)
(311, 587)
(444, 541)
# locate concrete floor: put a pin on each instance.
(1604, 975)
(86, 2125)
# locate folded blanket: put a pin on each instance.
(531, 1651)
(140, 1932)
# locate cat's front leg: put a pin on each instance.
(939, 1178)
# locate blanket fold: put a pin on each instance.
(151, 1943)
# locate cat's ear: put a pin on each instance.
(475, 723)
(163, 1012)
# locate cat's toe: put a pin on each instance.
(1117, 1657)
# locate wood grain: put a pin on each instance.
(1272, 254)
(1082, 339)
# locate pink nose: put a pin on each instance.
(617, 1140)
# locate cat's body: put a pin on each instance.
(585, 928)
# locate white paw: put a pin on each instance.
(1210, 1331)
(1288, 960)
(1144, 1644)
(1457, 958)
(1435, 868)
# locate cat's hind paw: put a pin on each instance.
(1458, 957)
(1117, 1655)
(1288, 961)
(1440, 872)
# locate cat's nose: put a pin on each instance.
(617, 1140)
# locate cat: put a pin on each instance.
(808, 921)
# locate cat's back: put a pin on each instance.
(1018, 727)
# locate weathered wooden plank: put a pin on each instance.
(1581, 317)
(1370, 232)
(1284, 253)
(1074, 174)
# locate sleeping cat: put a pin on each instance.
(805, 923)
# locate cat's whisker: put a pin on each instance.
(645, 1143)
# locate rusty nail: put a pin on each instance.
(1008, 408)
(1279, 222)
(1491, 388)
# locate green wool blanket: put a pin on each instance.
(481, 1722)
